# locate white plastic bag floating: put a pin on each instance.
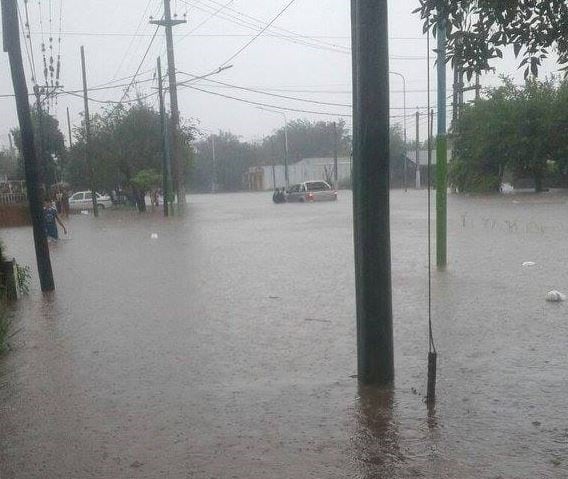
(555, 296)
(154, 236)
(527, 264)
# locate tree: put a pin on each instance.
(143, 182)
(233, 158)
(10, 164)
(477, 30)
(124, 142)
(50, 146)
(512, 128)
(308, 139)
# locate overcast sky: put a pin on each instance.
(313, 61)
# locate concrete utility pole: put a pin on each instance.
(335, 153)
(69, 128)
(371, 195)
(177, 160)
(88, 159)
(214, 183)
(41, 153)
(418, 178)
(12, 46)
(165, 142)
(441, 155)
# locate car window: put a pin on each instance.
(77, 196)
(318, 186)
(88, 196)
(294, 189)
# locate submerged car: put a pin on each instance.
(311, 191)
(83, 200)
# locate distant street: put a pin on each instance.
(225, 347)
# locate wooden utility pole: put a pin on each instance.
(12, 45)
(335, 153)
(177, 160)
(418, 178)
(88, 159)
(69, 128)
(165, 143)
(371, 194)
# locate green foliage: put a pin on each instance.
(10, 164)
(52, 156)
(146, 180)
(308, 139)
(477, 30)
(518, 129)
(4, 329)
(233, 158)
(124, 142)
(23, 279)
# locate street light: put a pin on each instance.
(285, 142)
(404, 108)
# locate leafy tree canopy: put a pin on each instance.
(478, 30)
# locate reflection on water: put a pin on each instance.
(377, 438)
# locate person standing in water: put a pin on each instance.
(50, 220)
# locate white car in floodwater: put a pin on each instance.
(311, 191)
(83, 200)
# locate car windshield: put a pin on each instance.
(318, 186)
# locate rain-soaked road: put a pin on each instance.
(226, 347)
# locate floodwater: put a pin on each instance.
(225, 348)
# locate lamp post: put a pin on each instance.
(287, 180)
(404, 122)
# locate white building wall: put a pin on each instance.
(311, 169)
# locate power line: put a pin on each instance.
(28, 55)
(141, 63)
(286, 97)
(142, 21)
(283, 30)
(269, 94)
(206, 35)
(246, 45)
(211, 16)
(29, 38)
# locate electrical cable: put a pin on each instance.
(276, 107)
(29, 38)
(256, 28)
(28, 55)
(246, 45)
(211, 16)
(132, 40)
(141, 63)
(195, 77)
(281, 29)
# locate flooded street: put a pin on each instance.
(225, 348)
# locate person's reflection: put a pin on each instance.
(377, 446)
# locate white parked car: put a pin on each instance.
(83, 200)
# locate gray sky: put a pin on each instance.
(315, 65)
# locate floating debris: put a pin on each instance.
(555, 296)
(154, 236)
(527, 264)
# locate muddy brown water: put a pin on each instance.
(225, 348)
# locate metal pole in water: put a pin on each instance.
(371, 193)
(165, 141)
(441, 155)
